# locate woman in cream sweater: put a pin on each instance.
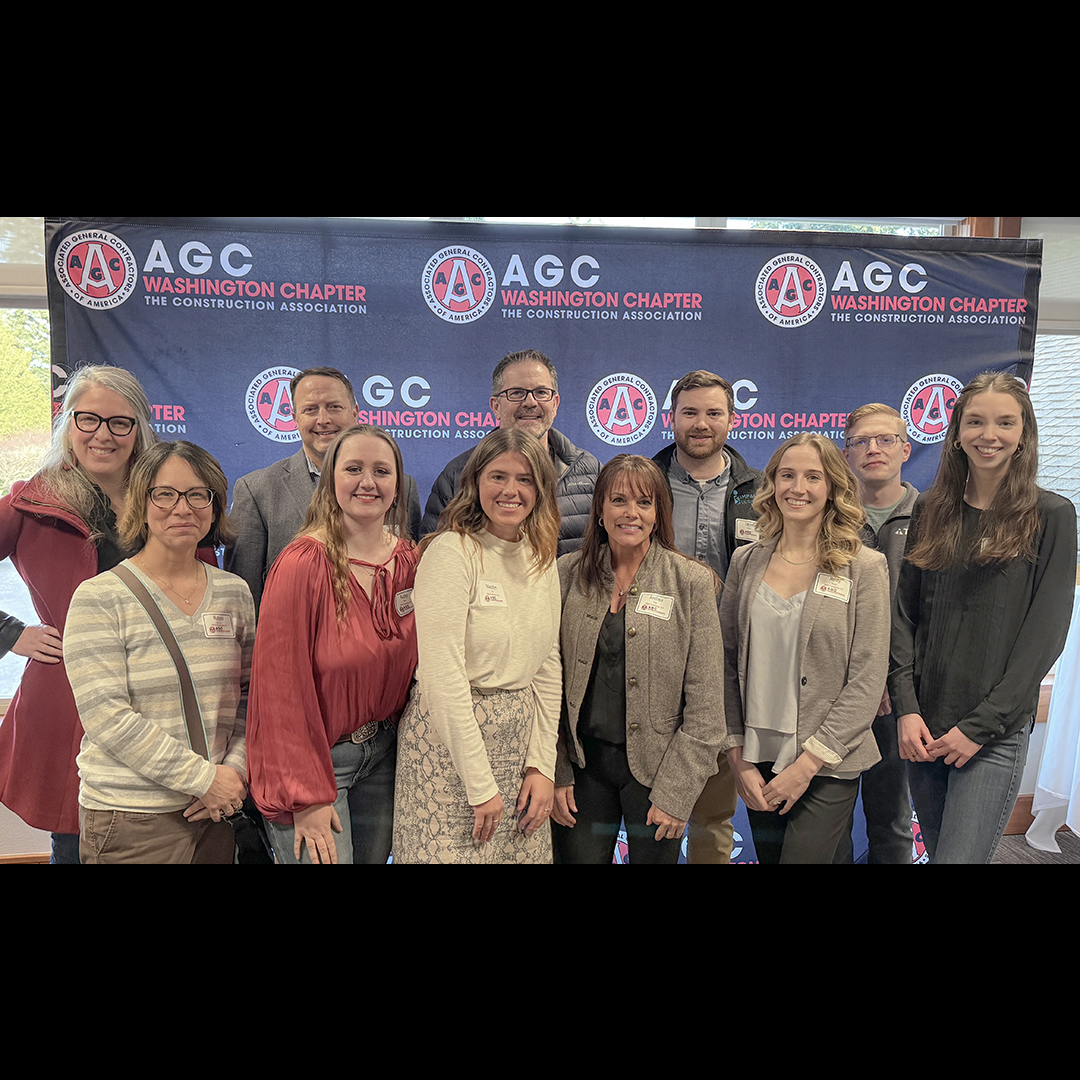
(476, 744)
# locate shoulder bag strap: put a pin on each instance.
(188, 699)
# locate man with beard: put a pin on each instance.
(525, 394)
(712, 492)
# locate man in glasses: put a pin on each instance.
(876, 447)
(269, 505)
(525, 394)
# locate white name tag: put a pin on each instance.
(491, 594)
(839, 588)
(218, 625)
(659, 607)
(403, 602)
(747, 529)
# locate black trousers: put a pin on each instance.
(811, 830)
(605, 792)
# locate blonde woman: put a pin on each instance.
(805, 618)
(334, 659)
(476, 765)
(59, 529)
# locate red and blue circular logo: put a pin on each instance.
(790, 290)
(621, 409)
(927, 407)
(269, 407)
(96, 268)
(459, 284)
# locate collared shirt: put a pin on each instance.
(699, 514)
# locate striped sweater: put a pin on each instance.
(135, 754)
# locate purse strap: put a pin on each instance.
(189, 700)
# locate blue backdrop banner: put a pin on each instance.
(215, 315)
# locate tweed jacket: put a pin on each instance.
(843, 657)
(674, 675)
(268, 510)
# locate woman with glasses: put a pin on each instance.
(160, 771)
(59, 529)
(982, 610)
(334, 661)
(805, 618)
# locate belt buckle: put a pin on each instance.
(365, 732)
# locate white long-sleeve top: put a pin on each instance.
(485, 619)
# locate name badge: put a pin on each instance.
(659, 607)
(839, 588)
(403, 602)
(491, 594)
(747, 529)
(218, 625)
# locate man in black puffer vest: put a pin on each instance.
(525, 394)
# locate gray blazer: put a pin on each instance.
(268, 510)
(674, 676)
(843, 657)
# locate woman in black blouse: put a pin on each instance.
(982, 609)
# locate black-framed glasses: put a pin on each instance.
(519, 393)
(165, 498)
(118, 425)
(884, 442)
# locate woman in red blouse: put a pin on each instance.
(334, 657)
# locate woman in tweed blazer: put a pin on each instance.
(805, 617)
(642, 721)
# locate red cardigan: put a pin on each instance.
(49, 546)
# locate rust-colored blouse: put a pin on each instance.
(314, 680)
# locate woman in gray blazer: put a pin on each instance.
(805, 617)
(643, 709)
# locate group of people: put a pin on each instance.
(568, 648)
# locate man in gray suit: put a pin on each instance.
(269, 505)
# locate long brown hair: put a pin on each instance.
(838, 538)
(323, 520)
(465, 516)
(1008, 527)
(643, 477)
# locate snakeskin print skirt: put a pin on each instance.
(433, 821)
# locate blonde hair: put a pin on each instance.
(323, 520)
(838, 539)
(60, 471)
(877, 408)
(465, 516)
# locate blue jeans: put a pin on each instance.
(963, 812)
(365, 802)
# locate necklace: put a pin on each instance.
(813, 558)
(169, 588)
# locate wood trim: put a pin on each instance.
(989, 226)
(1022, 817)
(29, 859)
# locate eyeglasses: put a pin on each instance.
(118, 425)
(519, 393)
(884, 442)
(165, 498)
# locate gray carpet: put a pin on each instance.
(1014, 849)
